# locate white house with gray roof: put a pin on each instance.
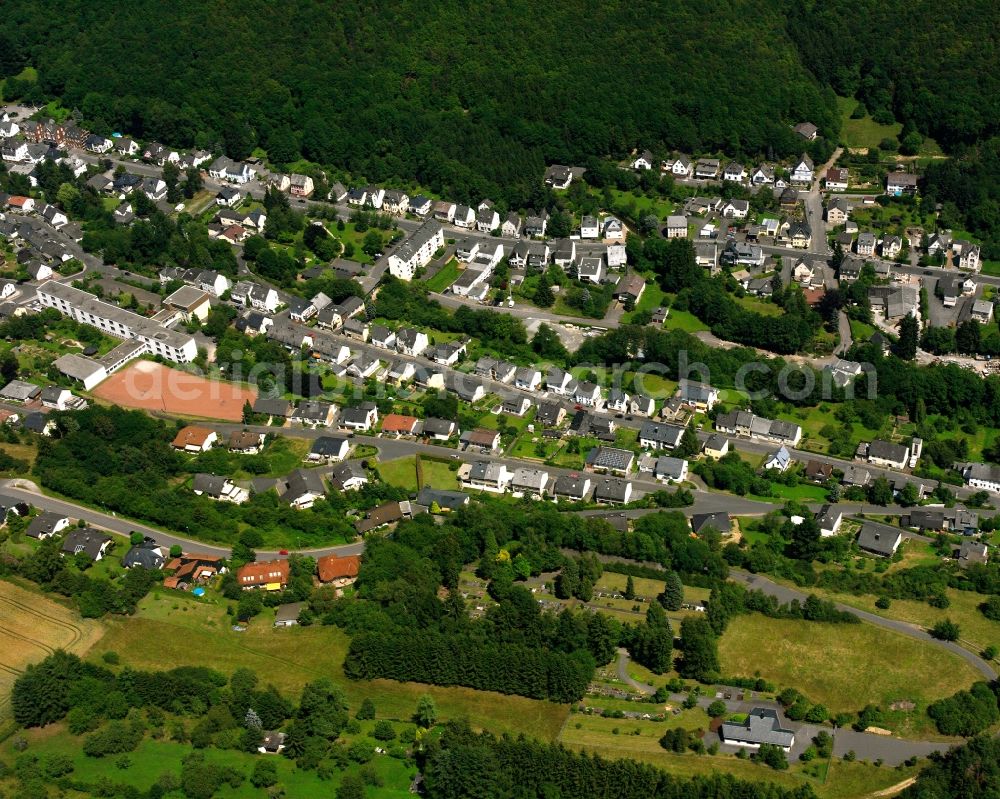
(417, 251)
(762, 726)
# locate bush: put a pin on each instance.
(717, 709)
(265, 774)
(383, 731)
(966, 713)
(945, 630)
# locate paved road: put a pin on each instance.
(785, 594)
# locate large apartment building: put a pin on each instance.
(85, 308)
(417, 251)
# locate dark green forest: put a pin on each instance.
(471, 99)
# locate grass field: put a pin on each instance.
(684, 320)
(181, 630)
(31, 628)
(438, 474)
(651, 299)
(154, 757)
(845, 667)
(400, 472)
(977, 632)
(444, 277)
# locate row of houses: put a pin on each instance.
(681, 166)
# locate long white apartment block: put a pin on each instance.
(85, 308)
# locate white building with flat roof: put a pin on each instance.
(85, 308)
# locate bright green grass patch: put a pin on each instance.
(444, 277)
(438, 474)
(759, 306)
(861, 331)
(684, 320)
(400, 472)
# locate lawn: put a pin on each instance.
(154, 757)
(866, 132)
(651, 299)
(535, 447)
(180, 630)
(684, 320)
(438, 474)
(844, 667)
(661, 206)
(804, 492)
(400, 472)
(759, 306)
(445, 276)
(861, 331)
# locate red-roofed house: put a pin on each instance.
(399, 425)
(338, 571)
(271, 575)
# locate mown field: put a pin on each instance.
(176, 629)
(31, 628)
(845, 667)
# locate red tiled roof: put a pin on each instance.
(333, 567)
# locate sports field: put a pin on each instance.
(153, 386)
(31, 628)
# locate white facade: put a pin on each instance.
(417, 251)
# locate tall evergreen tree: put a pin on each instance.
(672, 596)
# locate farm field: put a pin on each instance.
(846, 667)
(31, 628)
(181, 630)
(152, 386)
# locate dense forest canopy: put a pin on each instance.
(470, 98)
(927, 62)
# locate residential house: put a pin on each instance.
(817, 472)
(892, 246)
(246, 442)
(329, 449)
(399, 425)
(511, 227)
(865, 245)
(482, 439)
(682, 167)
(313, 413)
(361, 417)
(735, 209)
(487, 220)
(272, 406)
(219, 488)
(677, 227)
(271, 575)
(761, 726)
(984, 476)
(515, 405)
(719, 521)
(86, 540)
(763, 175)
(716, 446)
(836, 179)
(898, 183)
(707, 168)
(807, 130)
(464, 217)
(550, 414)
(613, 229)
(630, 288)
(982, 311)
(573, 487)
(535, 224)
(417, 250)
(400, 372)
(193, 438)
(802, 172)
(558, 176)
(410, 341)
(338, 570)
(420, 206)
(488, 476)
(734, 172)
(588, 394)
(800, 234)
(395, 202)
(644, 160)
(384, 515)
(287, 615)
(653, 435)
(670, 470)
(438, 429)
(887, 454)
(529, 482)
(612, 490)
(46, 525)
(829, 520)
(700, 396)
(527, 378)
(837, 211)
(970, 552)
(590, 228)
(610, 459)
(301, 488)
(778, 460)
(879, 539)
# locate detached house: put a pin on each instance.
(898, 183)
(803, 170)
(836, 179)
